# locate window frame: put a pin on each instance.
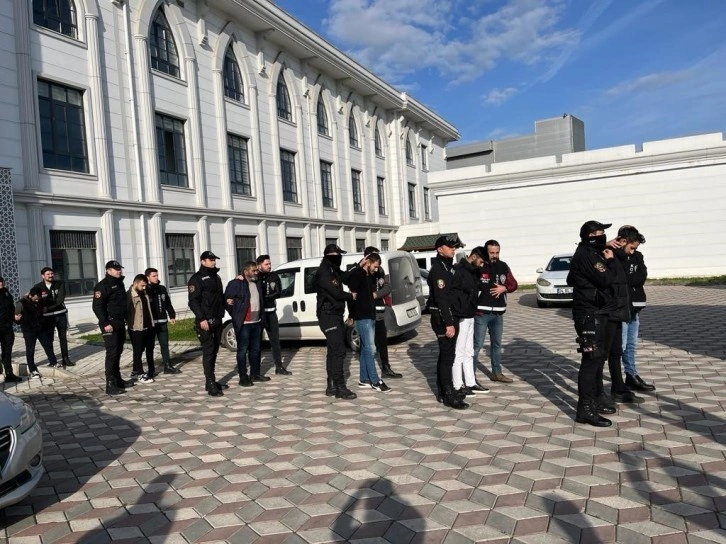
(282, 99)
(242, 251)
(240, 180)
(424, 158)
(179, 145)
(323, 123)
(173, 273)
(232, 77)
(168, 63)
(378, 144)
(412, 212)
(70, 21)
(289, 184)
(409, 154)
(353, 139)
(427, 203)
(356, 190)
(61, 265)
(326, 184)
(381, 188)
(289, 240)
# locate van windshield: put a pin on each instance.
(403, 279)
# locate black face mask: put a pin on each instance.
(598, 242)
(337, 260)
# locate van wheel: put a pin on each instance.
(352, 338)
(229, 339)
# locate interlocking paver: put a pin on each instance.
(280, 462)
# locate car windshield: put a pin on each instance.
(559, 264)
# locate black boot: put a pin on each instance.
(342, 391)
(586, 413)
(331, 389)
(123, 384)
(112, 388)
(388, 372)
(636, 383)
(213, 390)
(279, 369)
(67, 361)
(12, 378)
(452, 399)
(604, 405)
(220, 386)
(170, 369)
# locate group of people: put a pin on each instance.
(40, 312)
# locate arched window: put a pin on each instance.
(232, 78)
(352, 131)
(322, 118)
(379, 145)
(284, 109)
(164, 57)
(409, 153)
(56, 15)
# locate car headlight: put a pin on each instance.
(543, 282)
(27, 419)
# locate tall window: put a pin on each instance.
(379, 145)
(409, 153)
(381, 183)
(239, 165)
(326, 181)
(352, 131)
(164, 57)
(171, 151)
(284, 109)
(357, 196)
(56, 15)
(245, 249)
(384, 244)
(322, 118)
(360, 245)
(232, 78)
(412, 201)
(294, 249)
(424, 158)
(289, 184)
(73, 257)
(62, 127)
(427, 204)
(179, 258)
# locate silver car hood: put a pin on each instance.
(9, 411)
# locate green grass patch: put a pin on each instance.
(181, 331)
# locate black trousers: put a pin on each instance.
(615, 355)
(447, 352)
(7, 339)
(598, 335)
(114, 342)
(60, 323)
(143, 343)
(210, 347)
(334, 330)
(382, 342)
(272, 328)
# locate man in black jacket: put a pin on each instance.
(269, 283)
(331, 299)
(55, 311)
(163, 314)
(110, 306)
(206, 301)
(443, 323)
(7, 336)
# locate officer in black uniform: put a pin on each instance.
(206, 301)
(110, 307)
(445, 327)
(331, 299)
(270, 289)
(7, 335)
(593, 272)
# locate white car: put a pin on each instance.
(424, 286)
(552, 281)
(21, 450)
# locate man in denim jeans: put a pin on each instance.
(495, 281)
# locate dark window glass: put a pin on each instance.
(360, 245)
(162, 47)
(284, 109)
(246, 250)
(409, 153)
(179, 258)
(424, 158)
(62, 127)
(326, 181)
(384, 245)
(412, 201)
(56, 15)
(381, 183)
(379, 145)
(357, 196)
(294, 249)
(289, 183)
(353, 131)
(427, 205)
(73, 258)
(232, 78)
(239, 166)
(322, 119)
(171, 151)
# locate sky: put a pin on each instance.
(632, 70)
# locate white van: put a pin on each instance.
(298, 302)
(424, 258)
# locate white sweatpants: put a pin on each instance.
(464, 359)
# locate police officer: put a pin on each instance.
(593, 271)
(54, 310)
(110, 307)
(331, 299)
(7, 336)
(445, 327)
(269, 283)
(164, 314)
(206, 301)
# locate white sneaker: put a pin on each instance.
(35, 374)
(146, 379)
(380, 386)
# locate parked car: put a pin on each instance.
(552, 285)
(21, 450)
(424, 286)
(297, 304)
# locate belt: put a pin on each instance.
(160, 321)
(58, 312)
(492, 309)
(270, 309)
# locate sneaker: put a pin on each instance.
(146, 379)
(477, 388)
(364, 384)
(35, 374)
(380, 386)
(468, 391)
(501, 378)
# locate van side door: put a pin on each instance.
(287, 303)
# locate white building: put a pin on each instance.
(149, 131)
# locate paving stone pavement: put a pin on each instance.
(281, 462)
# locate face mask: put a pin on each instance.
(337, 260)
(598, 242)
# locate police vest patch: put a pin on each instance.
(191, 288)
(440, 284)
(334, 282)
(97, 294)
(599, 266)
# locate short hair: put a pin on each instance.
(630, 234)
(489, 243)
(370, 249)
(46, 269)
(150, 271)
(262, 258)
(248, 265)
(373, 258)
(140, 277)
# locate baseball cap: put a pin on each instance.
(333, 248)
(592, 226)
(114, 264)
(450, 240)
(208, 255)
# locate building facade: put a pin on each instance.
(151, 130)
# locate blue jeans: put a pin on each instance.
(367, 332)
(630, 344)
(249, 338)
(494, 322)
(162, 335)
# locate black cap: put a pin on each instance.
(208, 255)
(114, 264)
(333, 248)
(450, 240)
(592, 226)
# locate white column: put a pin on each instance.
(222, 158)
(264, 245)
(257, 167)
(97, 106)
(203, 229)
(36, 232)
(230, 253)
(303, 161)
(157, 246)
(195, 129)
(107, 251)
(147, 123)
